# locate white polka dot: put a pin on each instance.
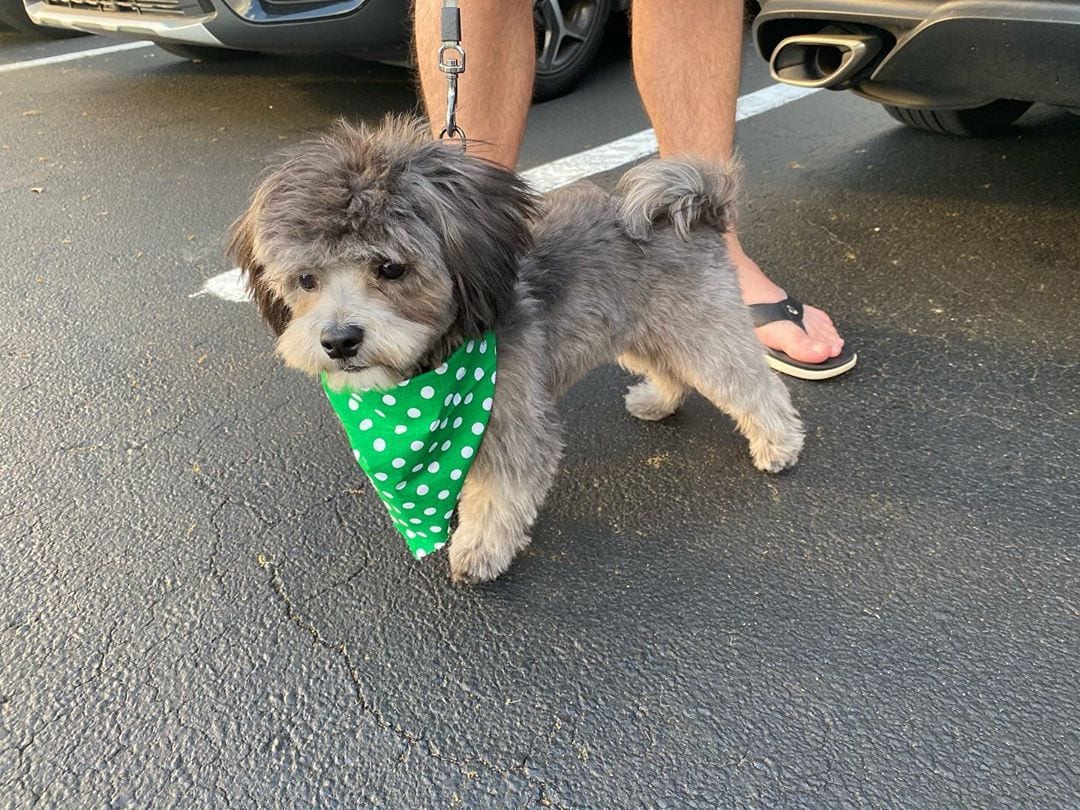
(427, 392)
(444, 494)
(457, 399)
(478, 374)
(398, 463)
(408, 505)
(493, 375)
(387, 494)
(417, 445)
(353, 404)
(446, 445)
(466, 452)
(400, 429)
(389, 399)
(433, 426)
(420, 553)
(460, 374)
(379, 444)
(442, 424)
(356, 455)
(455, 474)
(429, 511)
(487, 404)
(448, 515)
(448, 400)
(366, 424)
(441, 369)
(410, 533)
(415, 521)
(469, 346)
(477, 428)
(380, 476)
(403, 383)
(380, 413)
(414, 413)
(401, 485)
(422, 489)
(421, 534)
(468, 398)
(432, 447)
(418, 467)
(483, 346)
(457, 423)
(433, 467)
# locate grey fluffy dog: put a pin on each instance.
(375, 252)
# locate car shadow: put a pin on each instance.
(1021, 166)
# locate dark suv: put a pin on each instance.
(962, 67)
(568, 32)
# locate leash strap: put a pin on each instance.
(452, 63)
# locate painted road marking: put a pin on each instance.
(71, 57)
(228, 286)
(561, 172)
(566, 170)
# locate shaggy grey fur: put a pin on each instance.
(581, 278)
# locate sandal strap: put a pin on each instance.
(787, 310)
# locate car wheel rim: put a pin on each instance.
(562, 29)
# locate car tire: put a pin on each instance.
(204, 53)
(568, 35)
(973, 122)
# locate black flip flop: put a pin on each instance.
(791, 310)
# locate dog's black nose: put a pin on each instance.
(342, 342)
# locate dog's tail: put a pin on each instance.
(681, 191)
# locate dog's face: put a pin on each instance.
(373, 251)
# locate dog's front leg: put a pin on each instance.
(509, 479)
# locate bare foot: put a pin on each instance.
(818, 343)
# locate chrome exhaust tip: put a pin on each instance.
(823, 60)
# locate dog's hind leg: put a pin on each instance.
(657, 396)
(711, 346)
(510, 478)
(741, 385)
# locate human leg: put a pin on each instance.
(495, 90)
(687, 57)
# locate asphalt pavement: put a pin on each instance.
(201, 604)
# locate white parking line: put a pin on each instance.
(230, 286)
(71, 57)
(566, 170)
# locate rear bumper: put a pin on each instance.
(956, 53)
(376, 28)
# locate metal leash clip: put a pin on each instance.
(452, 63)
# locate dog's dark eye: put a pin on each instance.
(308, 281)
(390, 270)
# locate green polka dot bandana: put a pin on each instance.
(417, 441)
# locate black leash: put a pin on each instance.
(452, 63)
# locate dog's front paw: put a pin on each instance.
(646, 401)
(777, 454)
(475, 558)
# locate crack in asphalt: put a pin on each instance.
(410, 738)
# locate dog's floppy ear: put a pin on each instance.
(242, 251)
(482, 212)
